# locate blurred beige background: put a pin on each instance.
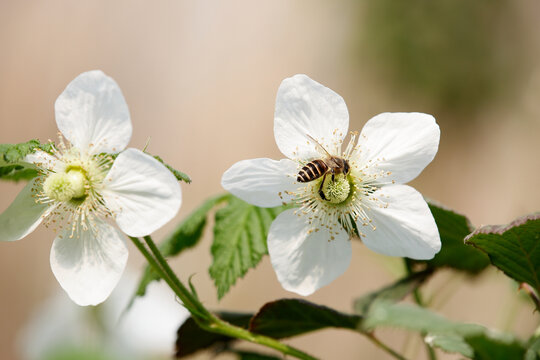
(200, 78)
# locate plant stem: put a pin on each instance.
(383, 346)
(204, 318)
(418, 299)
(155, 265)
(532, 294)
(184, 294)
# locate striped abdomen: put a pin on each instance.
(313, 170)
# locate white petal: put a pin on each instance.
(142, 193)
(150, 325)
(405, 227)
(401, 143)
(93, 115)
(305, 107)
(306, 262)
(23, 215)
(261, 182)
(89, 265)
(56, 324)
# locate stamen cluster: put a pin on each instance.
(71, 183)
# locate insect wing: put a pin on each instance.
(319, 147)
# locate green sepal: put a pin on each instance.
(12, 164)
(180, 176)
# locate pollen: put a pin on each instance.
(59, 187)
(73, 188)
(337, 191)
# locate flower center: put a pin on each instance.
(66, 186)
(336, 191)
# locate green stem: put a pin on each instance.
(187, 297)
(418, 299)
(204, 318)
(225, 328)
(155, 265)
(532, 294)
(383, 346)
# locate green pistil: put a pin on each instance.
(336, 191)
(65, 186)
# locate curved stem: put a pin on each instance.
(187, 297)
(204, 318)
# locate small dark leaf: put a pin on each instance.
(513, 248)
(489, 346)
(393, 292)
(186, 235)
(453, 228)
(290, 317)
(180, 176)
(191, 338)
(240, 233)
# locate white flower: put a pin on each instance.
(147, 330)
(309, 246)
(82, 185)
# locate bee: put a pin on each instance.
(322, 167)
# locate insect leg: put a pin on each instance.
(321, 192)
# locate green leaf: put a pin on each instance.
(12, 164)
(277, 319)
(180, 176)
(186, 235)
(450, 343)
(513, 248)
(240, 233)
(18, 172)
(290, 317)
(412, 317)
(453, 228)
(492, 346)
(393, 292)
(190, 230)
(441, 332)
(191, 338)
(533, 350)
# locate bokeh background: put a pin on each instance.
(200, 78)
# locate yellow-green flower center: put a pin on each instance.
(336, 191)
(66, 185)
